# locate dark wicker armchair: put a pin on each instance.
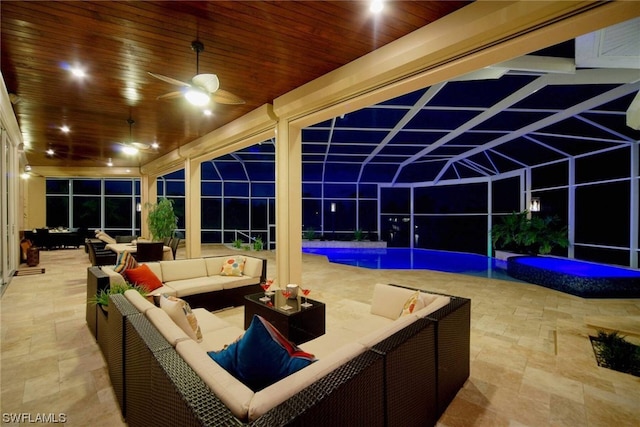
(100, 256)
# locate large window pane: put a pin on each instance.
(211, 213)
(604, 217)
(58, 186)
(452, 233)
(259, 214)
(86, 212)
(57, 211)
(553, 175)
(395, 200)
(505, 195)
(117, 187)
(117, 212)
(463, 198)
(236, 214)
(86, 186)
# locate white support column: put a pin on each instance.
(148, 194)
(288, 203)
(193, 216)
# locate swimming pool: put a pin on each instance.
(415, 259)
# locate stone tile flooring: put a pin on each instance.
(531, 361)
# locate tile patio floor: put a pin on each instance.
(531, 361)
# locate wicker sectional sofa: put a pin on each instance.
(196, 280)
(405, 372)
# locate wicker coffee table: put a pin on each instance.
(299, 324)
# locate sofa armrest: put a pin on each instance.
(353, 394)
(453, 341)
(96, 281)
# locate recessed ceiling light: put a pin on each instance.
(207, 112)
(376, 6)
(50, 152)
(78, 72)
(155, 145)
(65, 129)
(109, 162)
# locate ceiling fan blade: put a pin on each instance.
(209, 82)
(170, 95)
(222, 96)
(170, 80)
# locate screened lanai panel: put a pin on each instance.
(560, 97)
(475, 138)
(512, 120)
(358, 136)
(604, 166)
(579, 128)
(407, 99)
(312, 134)
(261, 171)
(378, 173)
(617, 123)
(231, 169)
(342, 172)
(573, 145)
(420, 171)
(312, 171)
(209, 172)
(371, 117)
(417, 137)
(528, 152)
(479, 93)
(340, 148)
(440, 119)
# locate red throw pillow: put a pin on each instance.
(143, 277)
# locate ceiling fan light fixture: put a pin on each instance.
(197, 97)
(129, 150)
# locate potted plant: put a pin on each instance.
(518, 233)
(161, 219)
(358, 235)
(101, 299)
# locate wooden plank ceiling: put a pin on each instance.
(258, 49)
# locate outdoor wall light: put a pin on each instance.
(333, 207)
(138, 207)
(535, 204)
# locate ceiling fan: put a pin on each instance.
(202, 88)
(131, 147)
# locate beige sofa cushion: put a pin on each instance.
(380, 334)
(208, 321)
(433, 303)
(183, 269)
(235, 395)
(275, 394)
(115, 278)
(166, 326)
(218, 339)
(253, 267)
(196, 285)
(388, 301)
(138, 301)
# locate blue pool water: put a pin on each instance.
(415, 259)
